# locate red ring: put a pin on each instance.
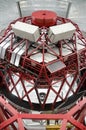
(44, 18)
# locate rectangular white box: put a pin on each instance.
(26, 31)
(60, 32)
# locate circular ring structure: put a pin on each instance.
(44, 18)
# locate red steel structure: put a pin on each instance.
(30, 73)
(11, 118)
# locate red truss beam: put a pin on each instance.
(21, 79)
(82, 58)
(18, 117)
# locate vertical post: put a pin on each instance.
(68, 9)
(19, 8)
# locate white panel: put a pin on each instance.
(48, 57)
(55, 66)
(18, 56)
(26, 31)
(80, 45)
(1, 46)
(59, 32)
(65, 51)
(37, 57)
(14, 53)
(51, 97)
(12, 57)
(4, 48)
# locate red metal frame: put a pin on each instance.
(36, 73)
(11, 117)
